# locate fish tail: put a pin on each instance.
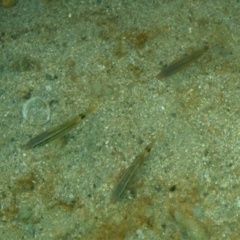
(91, 108)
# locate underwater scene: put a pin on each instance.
(119, 120)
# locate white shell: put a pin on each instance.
(36, 111)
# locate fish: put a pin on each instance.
(131, 171)
(58, 131)
(181, 63)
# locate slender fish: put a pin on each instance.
(58, 131)
(131, 170)
(180, 64)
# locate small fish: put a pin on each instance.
(180, 64)
(58, 131)
(132, 169)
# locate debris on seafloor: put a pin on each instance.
(8, 3)
(36, 111)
